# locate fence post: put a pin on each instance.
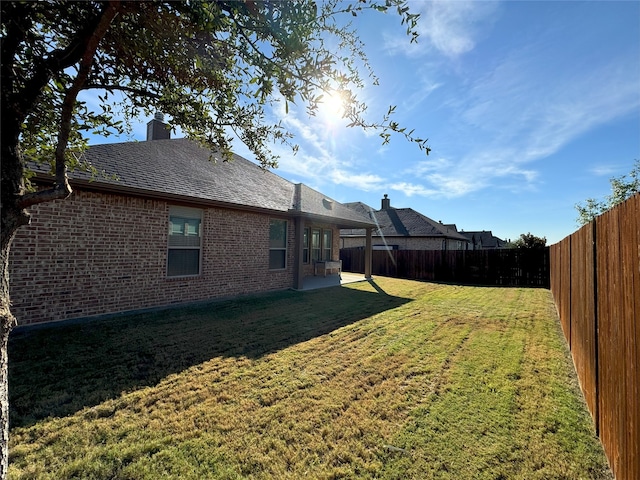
(570, 291)
(596, 414)
(368, 255)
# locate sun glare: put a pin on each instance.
(332, 107)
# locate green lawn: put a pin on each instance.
(391, 379)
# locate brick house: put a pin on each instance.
(171, 227)
(401, 229)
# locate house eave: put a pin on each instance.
(339, 222)
(100, 187)
(110, 188)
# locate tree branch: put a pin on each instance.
(57, 192)
(58, 61)
(62, 188)
(121, 88)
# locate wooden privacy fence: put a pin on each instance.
(507, 267)
(595, 282)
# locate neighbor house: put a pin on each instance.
(169, 223)
(484, 240)
(401, 229)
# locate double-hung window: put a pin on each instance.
(277, 244)
(185, 241)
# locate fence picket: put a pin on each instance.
(506, 267)
(595, 283)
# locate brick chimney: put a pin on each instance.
(157, 129)
(386, 203)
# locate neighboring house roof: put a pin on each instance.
(485, 239)
(182, 169)
(401, 222)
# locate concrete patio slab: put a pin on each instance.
(331, 280)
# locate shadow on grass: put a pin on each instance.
(58, 369)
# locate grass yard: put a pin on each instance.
(393, 379)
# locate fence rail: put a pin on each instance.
(595, 282)
(506, 267)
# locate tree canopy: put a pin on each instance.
(213, 67)
(622, 188)
(530, 241)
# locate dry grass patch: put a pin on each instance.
(397, 379)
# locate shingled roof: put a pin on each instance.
(485, 239)
(401, 222)
(182, 169)
(314, 204)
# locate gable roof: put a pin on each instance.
(183, 170)
(408, 222)
(402, 222)
(485, 238)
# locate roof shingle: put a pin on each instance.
(183, 169)
(402, 222)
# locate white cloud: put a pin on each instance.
(608, 170)
(410, 189)
(449, 27)
(367, 182)
(525, 103)
(425, 88)
(521, 112)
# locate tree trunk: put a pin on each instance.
(7, 322)
(12, 217)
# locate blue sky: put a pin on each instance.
(529, 107)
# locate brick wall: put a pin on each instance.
(95, 253)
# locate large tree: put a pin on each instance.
(528, 241)
(214, 67)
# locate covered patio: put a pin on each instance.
(313, 212)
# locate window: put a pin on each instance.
(185, 241)
(305, 247)
(321, 244)
(277, 244)
(326, 244)
(315, 245)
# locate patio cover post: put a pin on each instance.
(298, 274)
(367, 254)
